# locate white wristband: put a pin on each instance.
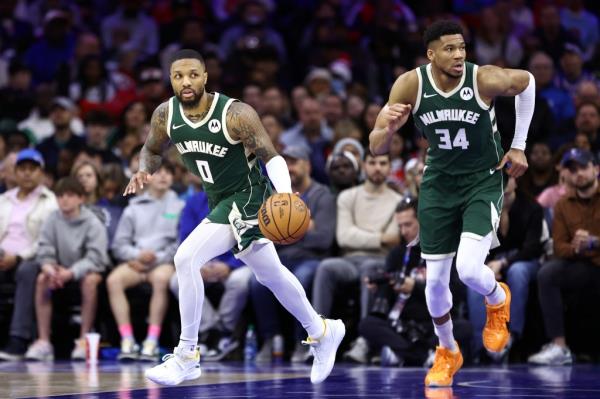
(524, 105)
(279, 175)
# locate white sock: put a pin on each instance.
(445, 335)
(497, 296)
(265, 263)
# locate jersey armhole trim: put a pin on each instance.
(228, 137)
(480, 102)
(419, 90)
(169, 116)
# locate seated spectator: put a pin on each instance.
(7, 172)
(575, 270)
(144, 244)
(413, 172)
(63, 139)
(23, 210)
(302, 257)
(516, 261)
(311, 132)
(73, 250)
(541, 173)
(364, 237)
(224, 272)
(550, 196)
(343, 171)
(98, 128)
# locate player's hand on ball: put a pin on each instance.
(517, 163)
(137, 181)
(395, 116)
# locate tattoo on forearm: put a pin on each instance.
(151, 154)
(243, 121)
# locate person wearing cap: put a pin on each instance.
(23, 209)
(53, 49)
(572, 71)
(343, 171)
(301, 258)
(576, 267)
(62, 112)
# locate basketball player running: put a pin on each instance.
(221, 140)
(461, 194)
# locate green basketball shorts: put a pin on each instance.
(451, 207)
(240, 211)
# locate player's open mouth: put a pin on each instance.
(458, 67)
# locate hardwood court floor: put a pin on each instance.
(111, 380)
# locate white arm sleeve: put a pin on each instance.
(278, 173)
(524, 105)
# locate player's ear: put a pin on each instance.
(430, 54)
(205, 78)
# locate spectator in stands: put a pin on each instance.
(522, 234)
(130, 29)
(151, 85)
(343, 170)
(16, 98)
(575, 270)
(493, 45)
(364, 237)
(23, 210)
(572, 72)
(551, 37)
(333, 109)
(7, 172)
(274, 129)
(550, 196)
(313, 133)
(413, 171)
(276, 102)
(587, 91)
(63, 138)
(541, 173)
(587, 121)
(302, 258)
(561, 104)
(252, 31)
(226, 273)
(98, 128)
(49, 56)
(583, 25)
(72, 250)
(144, 245)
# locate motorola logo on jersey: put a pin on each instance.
(214, 125)
(466, 93)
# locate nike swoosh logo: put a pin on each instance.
(428, 95)
(178, 126)
(492, 171)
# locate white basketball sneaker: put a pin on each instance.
(324, 349)
(179, 366)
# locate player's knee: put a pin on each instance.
(468, 271)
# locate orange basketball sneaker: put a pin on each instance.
(495, 333)
(445, 365)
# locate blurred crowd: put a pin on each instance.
(79, 80)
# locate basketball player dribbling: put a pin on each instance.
(221, 140)
(461, 193)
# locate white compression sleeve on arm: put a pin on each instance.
(524, 105)
(278, 173)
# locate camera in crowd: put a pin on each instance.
(384, 295)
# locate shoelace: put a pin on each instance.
(313, 345)
(497, 319)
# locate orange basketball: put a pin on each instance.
(284, 218)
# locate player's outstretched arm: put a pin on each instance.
(151, 153)
(244, 124)
(494, 81)
(395, 113)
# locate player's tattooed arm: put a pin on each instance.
(151, 154)
(244, 125)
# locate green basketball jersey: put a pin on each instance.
(461, 129)
(208, 151)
